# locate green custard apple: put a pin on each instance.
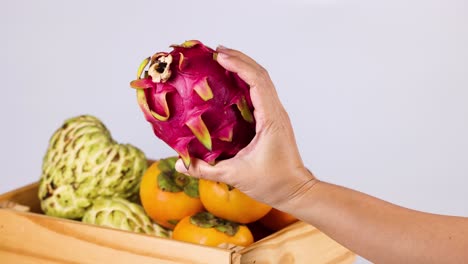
(84, 163)
(122, 214)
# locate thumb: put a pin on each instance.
(198, 169)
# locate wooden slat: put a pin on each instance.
(17, 258)
(34, 238)
(298, 243)
(26, 195)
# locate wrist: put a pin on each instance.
(298, 193)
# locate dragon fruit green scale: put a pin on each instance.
(194, 105)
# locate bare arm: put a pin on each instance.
(380, 231)
(271, 170)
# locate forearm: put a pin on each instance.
(379, 231)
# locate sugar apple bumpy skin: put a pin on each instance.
(83, 163)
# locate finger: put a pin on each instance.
(236, 53)
(247, 69)
(198, 169)
(263, 93)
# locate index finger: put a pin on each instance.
(262, 90)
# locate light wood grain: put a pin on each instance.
(298, 243)
(26, 196)
(7, 204)
(34, 238)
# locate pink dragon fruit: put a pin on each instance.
(193, 104)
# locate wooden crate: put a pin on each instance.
(31, 237)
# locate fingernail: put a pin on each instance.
(221, 48)
(180, 167)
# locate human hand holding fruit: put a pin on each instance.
(205, 112)
(212, 105)
(270, 168)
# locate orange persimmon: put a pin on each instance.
(276, 219)
(168, 196)
(206, 229)
(229, 203)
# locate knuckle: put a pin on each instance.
(195, 170)
(200, 172)
(261, 75)
(263, 72)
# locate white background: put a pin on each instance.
(377, 91)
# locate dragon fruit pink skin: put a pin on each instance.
(193, 104)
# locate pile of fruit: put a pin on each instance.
(205, 212)
(199, 109)
(88, 176)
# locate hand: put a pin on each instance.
(270, 168)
